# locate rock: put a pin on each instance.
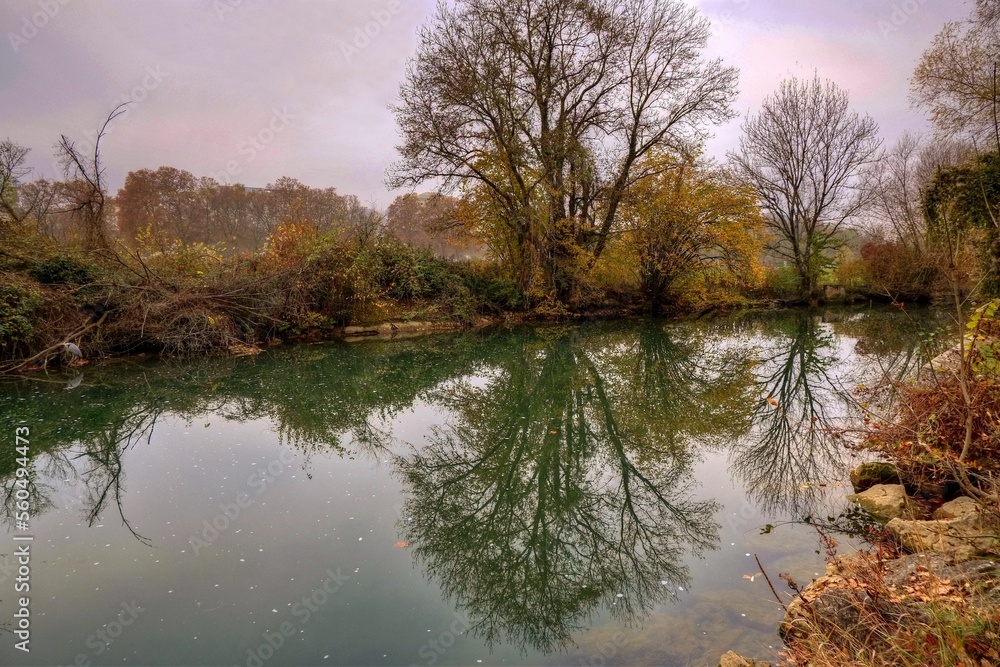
(867, 475)
(834, 293)
(826, 605)
(959, 508)
(837, 607)
(959, 532)
(732, 659)
(884, 501)
(943, 366)
(397, 330)
(976, 573)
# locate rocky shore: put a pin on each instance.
(943, 552)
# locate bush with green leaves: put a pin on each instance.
(63, 269)
(18, 305)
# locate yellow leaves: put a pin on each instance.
(687, 218)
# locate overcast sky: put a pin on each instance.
(250, 90)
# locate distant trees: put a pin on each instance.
(169, 205)
(547, 108)
(806, 155)
(162, 202)
(430, 220)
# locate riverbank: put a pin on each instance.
(927, 590)
(183, 301)
(392, 328)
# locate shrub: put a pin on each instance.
(18, 305)
(495, 292)
(781, 281)
(898, 271)
(63, 269)
(852, 272)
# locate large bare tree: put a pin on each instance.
(806, 154)
(549, 107)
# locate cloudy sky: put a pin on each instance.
(250, 90)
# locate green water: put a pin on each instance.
(565, 495)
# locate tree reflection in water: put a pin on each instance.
(807, 374)
(563, 475)
(102, 476)
(563, 485)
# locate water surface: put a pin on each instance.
(564, 495)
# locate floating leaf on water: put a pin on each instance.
(772, 401)
(401, 545)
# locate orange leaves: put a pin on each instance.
(401, 545)
(773, 401)
(292, 242)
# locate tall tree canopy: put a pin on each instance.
(957, 79)
(550, 106)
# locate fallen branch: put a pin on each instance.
(20, 365)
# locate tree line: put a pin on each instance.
(565, 140)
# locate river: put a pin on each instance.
(551, 495)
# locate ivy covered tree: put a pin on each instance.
(964, 199)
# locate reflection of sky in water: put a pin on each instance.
(309, 512)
